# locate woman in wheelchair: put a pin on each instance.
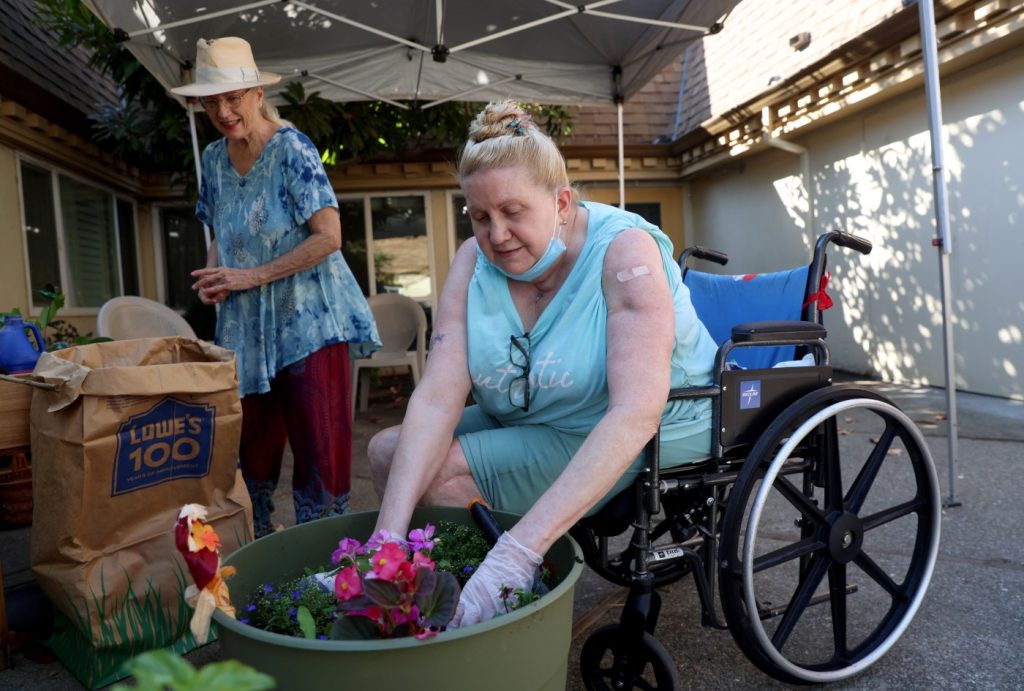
(569, 323)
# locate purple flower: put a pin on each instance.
(244, 621)
(250, 608)
(322, 637)
(468, 569)
(268, 588)
(378, 539)
(295, 594)
(420, 539)
(347, 547)
(293, 612)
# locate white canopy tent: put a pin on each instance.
(428, 52)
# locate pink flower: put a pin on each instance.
(388, 560)
(406, 574)
(346, 548)
(420, 559)
(398, 617)
(348, 584)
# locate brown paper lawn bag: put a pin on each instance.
(134, 430)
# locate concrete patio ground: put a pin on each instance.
(966, 635)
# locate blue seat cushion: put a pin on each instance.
(722, 302)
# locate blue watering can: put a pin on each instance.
(17, 354)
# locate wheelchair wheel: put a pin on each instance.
(605, 665)
(830, 536)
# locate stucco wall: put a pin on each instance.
(872, 176)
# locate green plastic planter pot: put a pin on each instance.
(524, 650)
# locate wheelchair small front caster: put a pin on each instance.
(608, 664)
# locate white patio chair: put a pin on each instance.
(402, 324)
(130, 316)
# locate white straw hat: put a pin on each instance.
(222, 65)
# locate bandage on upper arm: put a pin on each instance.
(630, 274)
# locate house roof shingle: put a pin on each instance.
(722, 71)
(35, 70)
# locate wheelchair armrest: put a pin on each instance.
(755, 332)
(693, 392)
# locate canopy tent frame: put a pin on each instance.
(441, 53)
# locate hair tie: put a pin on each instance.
(517, 128)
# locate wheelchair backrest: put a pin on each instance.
(721, 302)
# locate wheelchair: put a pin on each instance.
(816, 516)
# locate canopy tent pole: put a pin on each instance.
(619, 101)
(944, 243)
(195, 157)
(622, 167)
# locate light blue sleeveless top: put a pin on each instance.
(569, 382)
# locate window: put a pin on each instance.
(649, 211)
(400, 252)
(184, 252)
(79, 237)
(353, 240)
(392, 229)
(462, 226)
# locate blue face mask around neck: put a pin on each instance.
(555, 249)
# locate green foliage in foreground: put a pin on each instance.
(160, 670)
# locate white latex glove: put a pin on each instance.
(508, 564)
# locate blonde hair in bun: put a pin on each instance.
(503, 135)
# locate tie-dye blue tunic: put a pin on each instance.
(258, 217)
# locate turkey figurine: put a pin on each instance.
(199, 544)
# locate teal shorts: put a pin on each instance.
(514, 466)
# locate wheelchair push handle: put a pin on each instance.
(852, 241)
(710, 255)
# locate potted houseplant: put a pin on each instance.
(524, 649)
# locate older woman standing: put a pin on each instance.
(289, 305)
(569, 323)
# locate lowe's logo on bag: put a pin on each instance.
(750, 394)
(170, 441)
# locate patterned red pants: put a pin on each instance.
(308, 405)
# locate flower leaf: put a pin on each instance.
(306, 622)
(383, 593)
(426, 581)
(354, 629)
(438, 607)
(355, 604)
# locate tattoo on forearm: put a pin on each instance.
(435, 339)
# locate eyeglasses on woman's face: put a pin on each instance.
(519, 388)
(232, 100)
